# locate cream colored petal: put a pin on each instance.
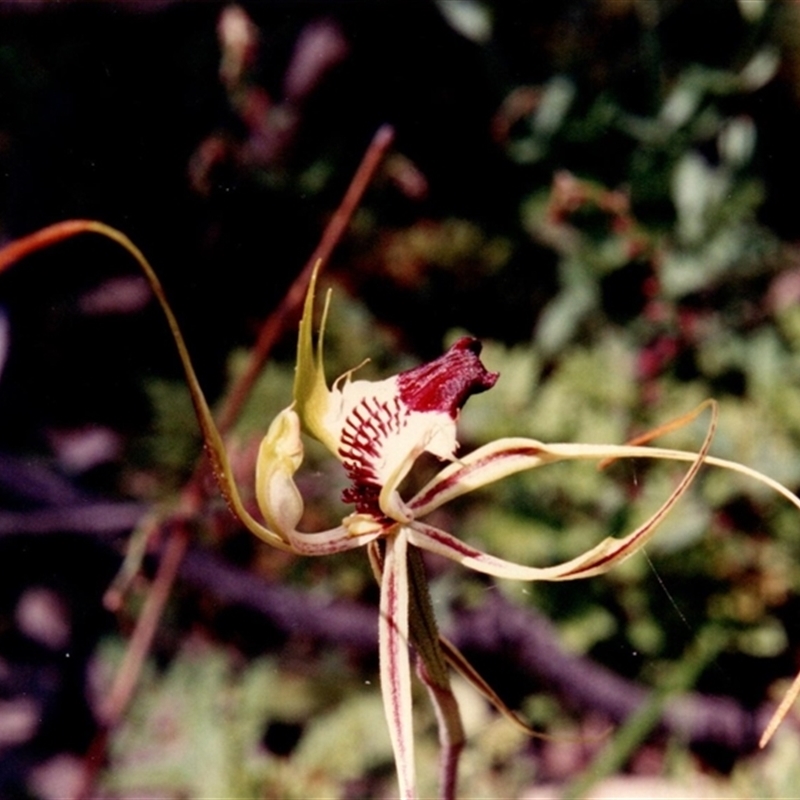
(395, 665)
(279, 457)
(595, 561)
(505, 457)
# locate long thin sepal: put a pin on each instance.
(311, 394)
(596, 561)
(458, 661)
(505, 457)
(395, 664)
(213, 440)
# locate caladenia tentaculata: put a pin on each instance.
(378, 430)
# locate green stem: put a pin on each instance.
(433, 671)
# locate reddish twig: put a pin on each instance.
(192, 495)
(141, 640)
(289, 308)
(127, 676)
(41, 240)
(117, 700)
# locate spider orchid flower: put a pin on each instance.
(378, 429)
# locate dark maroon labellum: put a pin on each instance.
(448, 382)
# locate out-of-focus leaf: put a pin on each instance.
(472, 19)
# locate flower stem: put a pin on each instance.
(434, 672)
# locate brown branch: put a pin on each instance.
(530, 642)
(127, 676)
(524, 639)
(100, 517)
(290, 610)
(118, 699)
(191, 497)
(24, 8)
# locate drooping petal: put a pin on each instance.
(395, 665)
(505, 457)
(437, 541)
(595, 561)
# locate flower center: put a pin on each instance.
(396, 420)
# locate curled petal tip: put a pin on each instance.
(447, 382)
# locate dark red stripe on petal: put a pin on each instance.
(450, 541)
(362, 449)
(464, 472)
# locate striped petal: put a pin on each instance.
(595, 561)
(504, 457)
(395, 664)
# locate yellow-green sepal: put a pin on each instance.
(311, 394)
